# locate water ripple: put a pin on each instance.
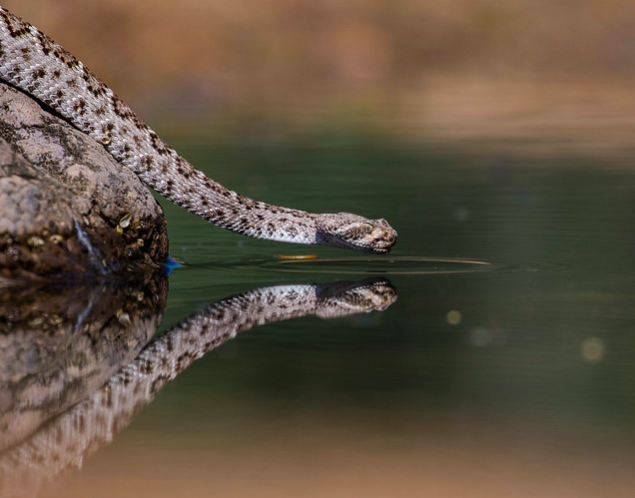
(368, 265)
(404, 265)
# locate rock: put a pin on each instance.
(67, 208)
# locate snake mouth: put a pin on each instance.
(382, 246)
(379, 246)
(375, 250)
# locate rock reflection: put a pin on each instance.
(60, 344)
(74, 370)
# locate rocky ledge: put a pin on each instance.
(67, 208)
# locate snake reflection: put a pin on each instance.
(62, 436)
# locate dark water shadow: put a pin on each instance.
(78, 364)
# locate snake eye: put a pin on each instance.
(367, 227)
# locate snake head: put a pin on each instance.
(351, 231)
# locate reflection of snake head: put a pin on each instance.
(347, 298)
(351, 231)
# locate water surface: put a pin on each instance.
(503, 367)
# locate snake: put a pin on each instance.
(38, 66)
(66, 439)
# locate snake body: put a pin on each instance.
(34, 63)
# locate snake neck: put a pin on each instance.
(228, 209)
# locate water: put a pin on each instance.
(501, 364)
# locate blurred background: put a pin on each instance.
(419, 69)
